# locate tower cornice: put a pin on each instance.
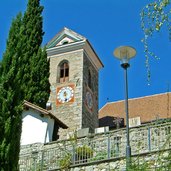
(84, 44)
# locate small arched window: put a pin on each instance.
(63, 72)
(89, 79)
(65, 42)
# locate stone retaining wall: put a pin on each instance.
(100, 150)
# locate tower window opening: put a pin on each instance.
(65, 42)
(67, 72)
(64, 72)
(89, 79)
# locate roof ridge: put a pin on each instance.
(44, 111)
(36, 107)
(66, 31)
(148, 96)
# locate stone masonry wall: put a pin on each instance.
(149, 161)
(90, 116)
(69, 113)
(102, 152)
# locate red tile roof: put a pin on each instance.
(148, 108)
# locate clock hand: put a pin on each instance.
(65, 93)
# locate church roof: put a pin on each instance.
(67, 40)
(64, 35)
(44, 112)
(148, 108)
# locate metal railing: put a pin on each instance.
(100, 147)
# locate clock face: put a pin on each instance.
(89, 100)
(65, 94)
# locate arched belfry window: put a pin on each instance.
(63, 72)
(89, 79)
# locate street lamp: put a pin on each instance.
(124, 54)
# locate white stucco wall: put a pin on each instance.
(34, 127)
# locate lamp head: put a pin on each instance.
(124, 54)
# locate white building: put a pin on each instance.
(39, 125)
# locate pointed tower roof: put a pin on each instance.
(63, 37)
(67, 40)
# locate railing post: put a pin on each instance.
(108, 147)
(42, 160)
(35, 156)
(73, 155)
(149, 139)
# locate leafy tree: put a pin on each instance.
(24, 73)
(35, 70)
(153, 17)
(10, 120)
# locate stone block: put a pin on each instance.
(101, 130)
(83, 132)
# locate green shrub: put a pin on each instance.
(83, 153)
(100, 156)
(65, 162)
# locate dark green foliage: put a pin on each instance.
(24, 73)
(35, 84)
(37, 88)
(10, 121)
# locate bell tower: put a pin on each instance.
(74, 68)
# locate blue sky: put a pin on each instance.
(107, 24)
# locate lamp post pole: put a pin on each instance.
(128, 147)
(124, 54)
